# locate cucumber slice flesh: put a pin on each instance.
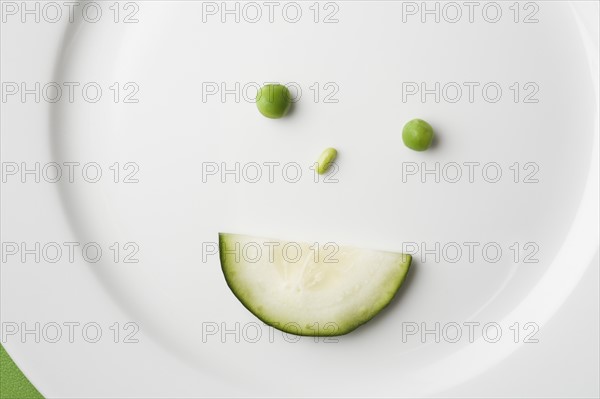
(310, 289)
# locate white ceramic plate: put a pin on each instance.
(527, 158)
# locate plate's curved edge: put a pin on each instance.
(578, 251)
(580, 228)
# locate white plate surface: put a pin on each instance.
(369, 58)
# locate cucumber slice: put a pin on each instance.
(310, 289)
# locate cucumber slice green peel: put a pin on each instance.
(310, 289)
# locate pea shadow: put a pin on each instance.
(435, 142)
(291, 111)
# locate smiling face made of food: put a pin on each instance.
(304, 289)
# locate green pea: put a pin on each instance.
(325, 160)
(273, 100)
(417, 135)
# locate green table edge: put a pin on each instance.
(13, 383)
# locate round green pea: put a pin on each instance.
(417, 135)
(273, 100)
